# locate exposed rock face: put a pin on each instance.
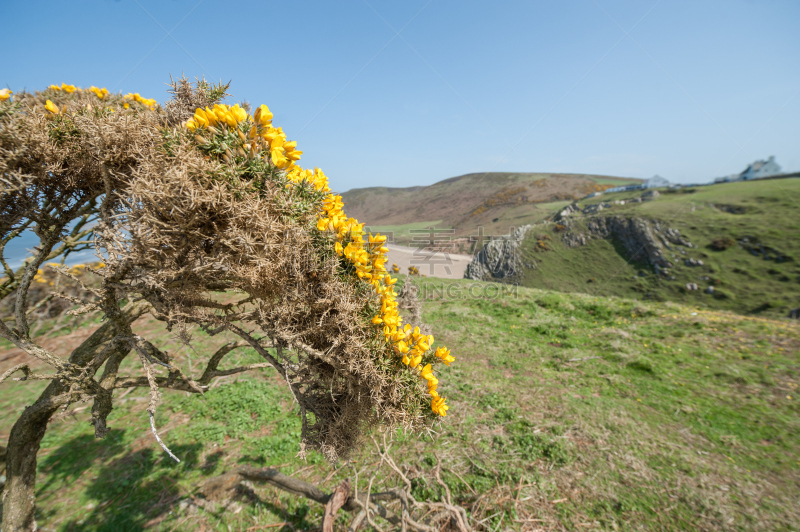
(566, 212)
(574, 240)
(595, 208)
(668, 236)
(499, 259)
(643, 240)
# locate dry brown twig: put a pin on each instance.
(369, 507)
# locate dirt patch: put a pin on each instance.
(61, 346)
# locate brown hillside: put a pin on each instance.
(468, 201)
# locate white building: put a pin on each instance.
(760, 169)
(756, 170)
(655, 182)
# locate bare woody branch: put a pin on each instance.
(433, 515)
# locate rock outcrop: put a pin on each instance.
(642, 239)
(499, 259)
(595, 208)
(574, 240)
(566, 212)
(756, 248)
(635, 234)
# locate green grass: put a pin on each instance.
(569, 412)
(745, 283)
(403, 233)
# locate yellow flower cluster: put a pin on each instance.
(74, 270)
(367, 253)
(255, 132)
(69, 89)
(316, 179)
(5, 94)
(149, 102)
(40, 278)
(369, 259)
(64, 87)
(100, 93)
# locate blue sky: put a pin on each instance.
(409, 93)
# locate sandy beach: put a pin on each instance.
(438, 264)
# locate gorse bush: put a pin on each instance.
(204, 219)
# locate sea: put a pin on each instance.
(18, 249)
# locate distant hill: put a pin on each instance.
(493, 200)
(739, 238)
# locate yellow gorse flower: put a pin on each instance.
(438, 406)
(315, 178)
(365, 252)
(258, 136)
(444, 354)
(100, 93)
(263, 115)
(5, 94)
(149, 102)
(369, 259)
(76, 269)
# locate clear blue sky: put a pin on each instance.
(696, 89)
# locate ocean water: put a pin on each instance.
(22, 247)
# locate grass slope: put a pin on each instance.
(467, 202)
(745, 282)
(569, 412)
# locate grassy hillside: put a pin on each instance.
(492, 200)
(763, 211)
(570, 412)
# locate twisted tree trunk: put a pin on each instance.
(26, 436)
(23, 446)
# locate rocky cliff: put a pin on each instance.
(643, 240)
(500, 259)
